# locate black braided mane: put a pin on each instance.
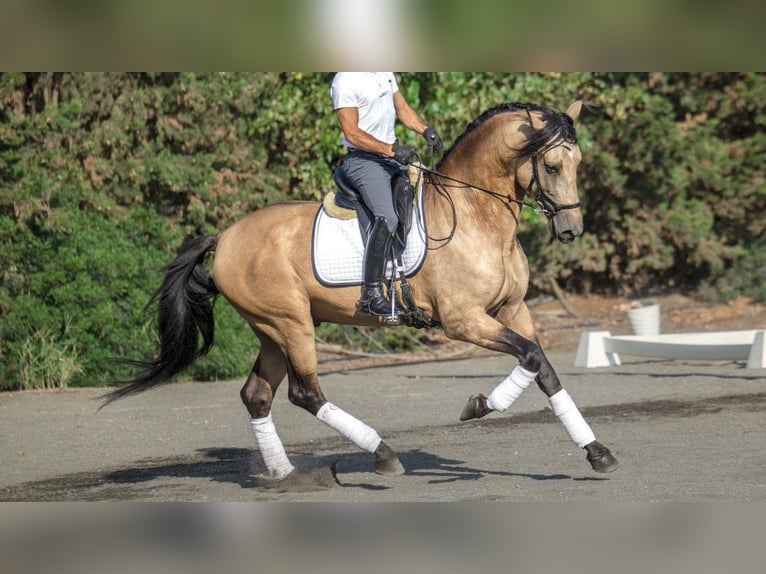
(558, 127)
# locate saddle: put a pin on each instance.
(346, 203)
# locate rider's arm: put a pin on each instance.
(407, 115)
(360, 139)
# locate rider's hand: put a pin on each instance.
(433, 139)
(403, 154)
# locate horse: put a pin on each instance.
(473, 283)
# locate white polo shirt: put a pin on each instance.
(372, 93)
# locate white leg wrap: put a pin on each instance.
(353, 429)
(567, 412)
(272, 449)
(506, 393)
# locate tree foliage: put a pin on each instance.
(103, 174)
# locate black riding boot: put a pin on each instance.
(373, 301)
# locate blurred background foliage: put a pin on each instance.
(102, 175)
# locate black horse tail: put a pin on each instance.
(185, 312)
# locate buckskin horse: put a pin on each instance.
(472, 283)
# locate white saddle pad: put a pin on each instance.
(338, 250)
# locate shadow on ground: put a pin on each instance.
(177, 478)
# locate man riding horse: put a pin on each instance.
(367, 105)
(512, 156)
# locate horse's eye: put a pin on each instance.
(551, 169)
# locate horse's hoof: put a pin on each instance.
(603, 462)
(274, 477)
(475, 408)
(386, 461)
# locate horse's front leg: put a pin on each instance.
(518, 339)
(565, 409)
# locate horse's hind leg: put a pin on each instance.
(257, 395)
(305, 392)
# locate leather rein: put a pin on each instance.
(548, 206)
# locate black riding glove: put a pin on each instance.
(403, 154)
(433, 139)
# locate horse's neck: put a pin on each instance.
(476, 209)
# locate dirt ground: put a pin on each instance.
(683, 431)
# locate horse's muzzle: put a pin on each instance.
(565, 228)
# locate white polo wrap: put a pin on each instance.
(353, 429)
(271, 447)
(506, 393)
(567, 412)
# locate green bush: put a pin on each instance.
(746, 277)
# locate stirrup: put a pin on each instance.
(366, 307)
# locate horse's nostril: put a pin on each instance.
(566, 236)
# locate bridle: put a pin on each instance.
(547, 205)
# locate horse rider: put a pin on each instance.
(367, 105)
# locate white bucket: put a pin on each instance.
(645, 320)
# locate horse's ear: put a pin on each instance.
(574, 109)
(536, 121)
